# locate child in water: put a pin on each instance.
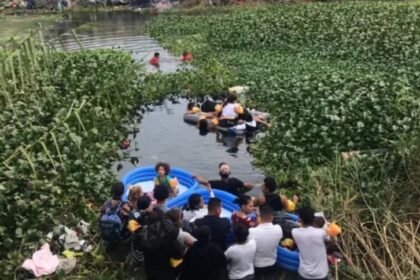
(155, 59)
(163, 178)
(186, 57)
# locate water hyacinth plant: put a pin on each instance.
(63, 116)
(336, 78)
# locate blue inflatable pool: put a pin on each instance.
(143, 176)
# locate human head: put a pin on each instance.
(143, 202)
(117, 190)
(195, 202)
(247, 116)
(270, 185)
(176, 216)
(134, 193)
(307, 215)
(202, 124)
(162, 169)
(185, 53)
(156, 54)
(241, 233)
(231, 98)
(190, 106)
(224, 170)
(319, 222)
(245, 203)
(266, 214)
(203, 234)
(161, 193)
(215, 206)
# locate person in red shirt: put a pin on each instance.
(155, 60)
(186, 57)
(246, 215)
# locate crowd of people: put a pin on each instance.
(196, 242)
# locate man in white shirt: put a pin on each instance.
(310, 241)
(240, 256)
(268, 237)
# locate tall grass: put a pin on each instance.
(379, 240)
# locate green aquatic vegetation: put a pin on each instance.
(336, 77)
(63, 117)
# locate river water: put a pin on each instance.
(163, 135)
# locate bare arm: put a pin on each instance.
(248, 186)
(284, 201)
(202, 180)
(258, 201)
(261, 121)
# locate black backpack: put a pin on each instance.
(158, 233)
(110, 223)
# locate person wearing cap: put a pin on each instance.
(226, 183)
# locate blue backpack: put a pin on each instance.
(110, 224)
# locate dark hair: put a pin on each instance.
(248, 117)
(156, 54)
(193, 202)
(202, 124)
(144, 202)
(222, 163)
(214, 203)
(203, 234)
(241, 233)
(203, 132)
(117, 190)
(190, 106)
(319, 222)
(243, 200)
(231, 98)
(266, 211)
(160, 192)
(185, 53)
(164, 165)
(270, 183)
(307, 215)
(174, 214)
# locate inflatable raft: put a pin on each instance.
(144, 177)
(236, 130)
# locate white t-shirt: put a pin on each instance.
(240, 259)
(268, 237)
(229, 111)
(313, 262)
(192, 215)
(252, 123)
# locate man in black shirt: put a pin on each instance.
(227, 184)
(219, 227)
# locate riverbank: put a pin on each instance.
(335, 86)
(332, 84)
